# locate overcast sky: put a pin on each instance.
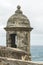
(33, 9)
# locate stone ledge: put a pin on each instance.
(11, 61)
(13, 53)
(18, 28)
(13, 49)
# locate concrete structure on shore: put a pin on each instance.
(17, 50)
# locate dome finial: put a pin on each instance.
(18, 11)
(18, 7)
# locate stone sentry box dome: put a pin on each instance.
(18, 31)
(18, 19)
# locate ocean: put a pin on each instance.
(37, 53)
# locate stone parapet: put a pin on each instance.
(14, 53)
(10, 61)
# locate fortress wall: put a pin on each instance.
(10, 61)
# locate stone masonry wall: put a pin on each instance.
(10, 61)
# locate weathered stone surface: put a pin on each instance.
(10, 61)
(14, 53)
(18, 32)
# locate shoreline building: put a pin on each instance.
(17, 50)
(18, 31)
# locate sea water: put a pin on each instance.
(37, 53)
